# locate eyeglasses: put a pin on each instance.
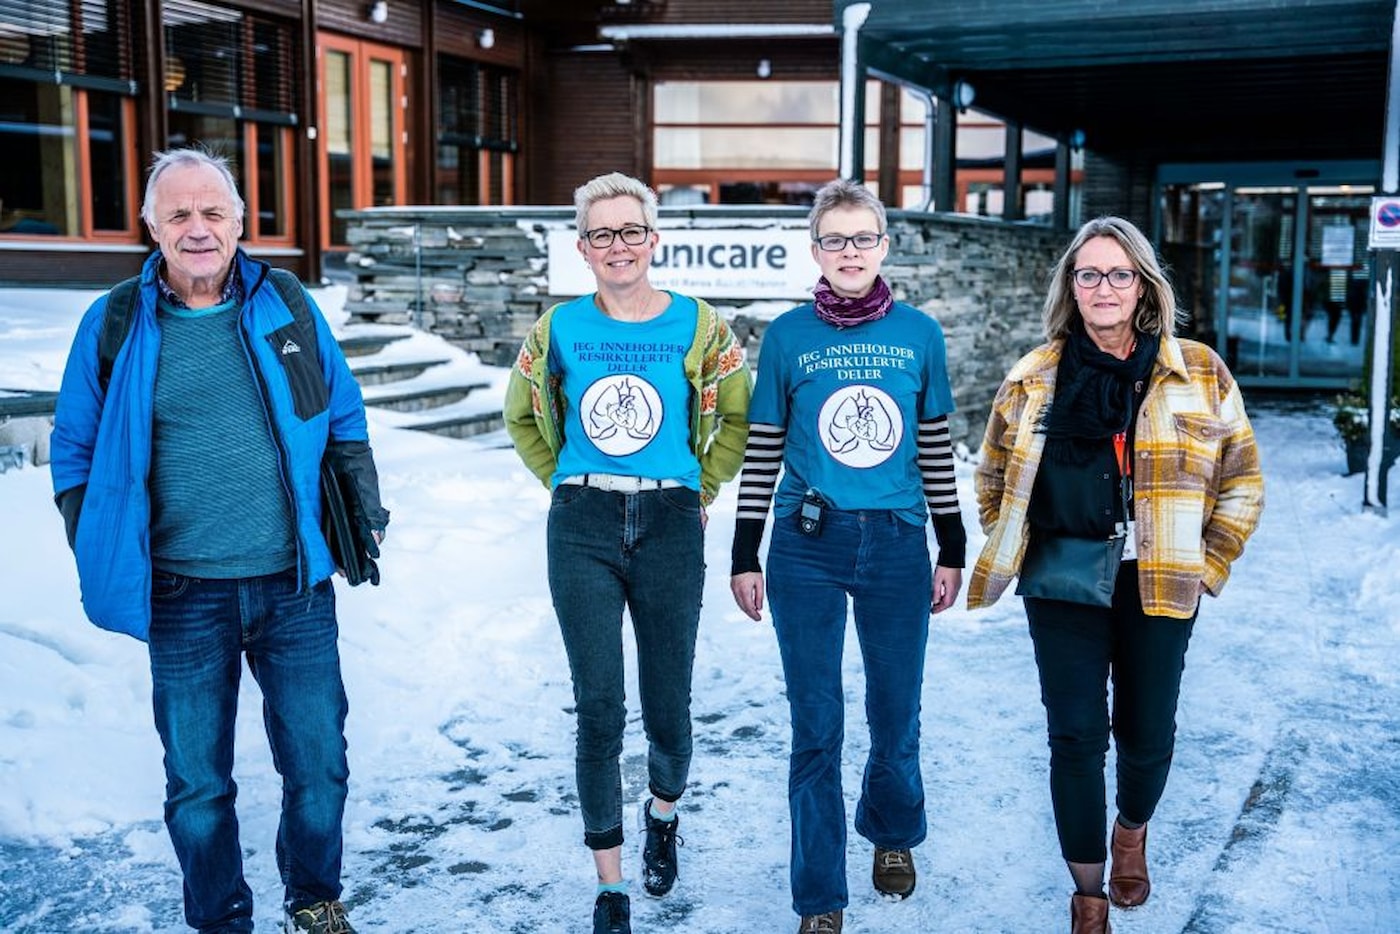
(834, 243)
(602, 237)
(1089, 278)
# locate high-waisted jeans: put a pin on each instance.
(200, 632)
(1079, 649)
(882, 564)
(643, 551)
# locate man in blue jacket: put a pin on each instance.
(187, 470)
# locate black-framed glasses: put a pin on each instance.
(602, 237)
(1086, 277)
(834, 243)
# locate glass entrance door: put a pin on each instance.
(1337, 282)
(363, 146)
(1260, 291)
(1275, 277)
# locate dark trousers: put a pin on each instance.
(644, 552)
(1079, 649)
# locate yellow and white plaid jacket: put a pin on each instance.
(1197, 491)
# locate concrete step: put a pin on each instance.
(464, 426)
(425, 398)
(362, 345)
(392, 372)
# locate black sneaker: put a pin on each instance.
(659, 853)
(320, 918)
(612, 914)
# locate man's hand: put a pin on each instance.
(748, 593)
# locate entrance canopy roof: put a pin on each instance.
(1160, 80)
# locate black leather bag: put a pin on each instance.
(1078, 570)
(346, 528)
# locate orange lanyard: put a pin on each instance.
(1120, 451)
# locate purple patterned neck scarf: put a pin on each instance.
(842, 312)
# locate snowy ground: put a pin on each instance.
(1282, 814)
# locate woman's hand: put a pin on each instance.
(946, 584)
(748, 593)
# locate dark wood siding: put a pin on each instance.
(742, 11)
(458, 29)
(585, 121)
(403, 27)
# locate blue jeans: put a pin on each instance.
(1078, 649)
(644, 551)
(200, 631)
(882, 563)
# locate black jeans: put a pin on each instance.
(1078, 649)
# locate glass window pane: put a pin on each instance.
(764, 102)
(381, 131)
(735, 148)
(203, 52)
(274, 201)
(38, 189)
(107, 148)
(336, 132)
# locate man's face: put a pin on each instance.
(197, 227)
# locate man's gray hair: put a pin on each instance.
(612, 185)
(844, 193)
(182, 158)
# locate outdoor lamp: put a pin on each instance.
(378, 11)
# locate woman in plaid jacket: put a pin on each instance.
(1114, 414)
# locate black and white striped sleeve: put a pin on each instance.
(935, 447)
(763, 459)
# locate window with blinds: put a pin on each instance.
(225, 62)
(86, 43)
(477, 105)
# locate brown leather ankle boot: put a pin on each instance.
(1088, 914)
(1128, 885)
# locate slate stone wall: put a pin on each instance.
(478, 277)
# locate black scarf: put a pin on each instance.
(1096, 394)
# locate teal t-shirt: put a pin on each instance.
(626, 396)
(851, 400)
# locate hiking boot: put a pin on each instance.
(612, 913)
(320, 918)
(829, 923)
(659, 853)
(894, 872)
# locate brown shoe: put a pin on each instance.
(894, 872)
(829, 923)
(1128, 885)
(1088, 914)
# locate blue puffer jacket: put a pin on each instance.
(101, 448)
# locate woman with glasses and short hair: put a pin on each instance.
(629, 404)
(852, 400)
(1119, 479)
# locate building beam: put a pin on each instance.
(851, 163)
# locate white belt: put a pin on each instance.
(615, 483)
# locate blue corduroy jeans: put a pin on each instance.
(882, 564)
(643, 552)
(200, 632)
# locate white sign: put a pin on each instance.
(1385, 224)
(1337, 243)
(707, 262)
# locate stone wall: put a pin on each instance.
(478, 278)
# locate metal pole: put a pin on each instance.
(852, 162)
(1383, 293)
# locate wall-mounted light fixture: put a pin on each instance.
(765, 68)
(378, 12)
(486, 38)
(963, 95)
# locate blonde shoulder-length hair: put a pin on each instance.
(1157, 311)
